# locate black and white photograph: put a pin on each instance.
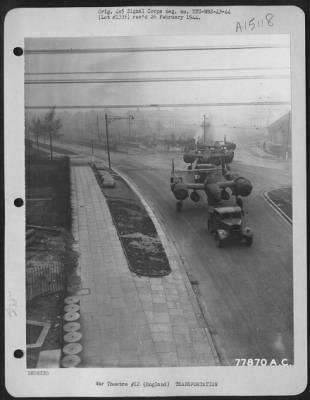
(160, 178)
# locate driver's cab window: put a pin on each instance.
(231, 215)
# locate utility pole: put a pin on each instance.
(92, 151)
(130, 118)
(107, 134)
(129, 125)
(158, 126)
(37, 137)
(204, 128)
(287, 135)
(38, 148)
(51, 143)
(98, 127)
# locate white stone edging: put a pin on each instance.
(277, 209)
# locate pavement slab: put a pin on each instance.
(128, 320)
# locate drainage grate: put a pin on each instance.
(82, 292)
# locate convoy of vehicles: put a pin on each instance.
(208, 172)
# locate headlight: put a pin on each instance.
(247, 231)
(222, 233)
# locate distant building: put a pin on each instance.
(279, 136)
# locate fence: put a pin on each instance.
(43, 279)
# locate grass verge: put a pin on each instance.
(141, 243)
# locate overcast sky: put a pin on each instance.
(271, 64)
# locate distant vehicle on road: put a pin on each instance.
(228, 145)
(214, 154)
(225, 223)
(209, 154)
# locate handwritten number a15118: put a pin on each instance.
(255, 23)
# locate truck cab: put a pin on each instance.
(225, 223)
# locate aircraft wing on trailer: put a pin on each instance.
(213, 186)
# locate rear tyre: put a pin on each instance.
(179, 206)
(209, 226)
(218, 241)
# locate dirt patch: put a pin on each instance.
(139, 238)
(46, 246)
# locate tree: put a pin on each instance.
(36, 127)
(48, 127)
(52, 125)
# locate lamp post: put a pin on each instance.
(107, 122)
(108, 143)
(158, 123)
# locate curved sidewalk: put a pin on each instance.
(127, 320)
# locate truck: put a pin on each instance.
(225, 224)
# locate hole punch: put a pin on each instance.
(18, 202)
(18, 353)
(18, 51)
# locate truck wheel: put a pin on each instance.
(218, 241)
(249, 241)
(179, 206)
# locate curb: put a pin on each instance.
(215, 346)
(276, 208)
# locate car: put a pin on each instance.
(225, 223)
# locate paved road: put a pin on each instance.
(248, 291)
